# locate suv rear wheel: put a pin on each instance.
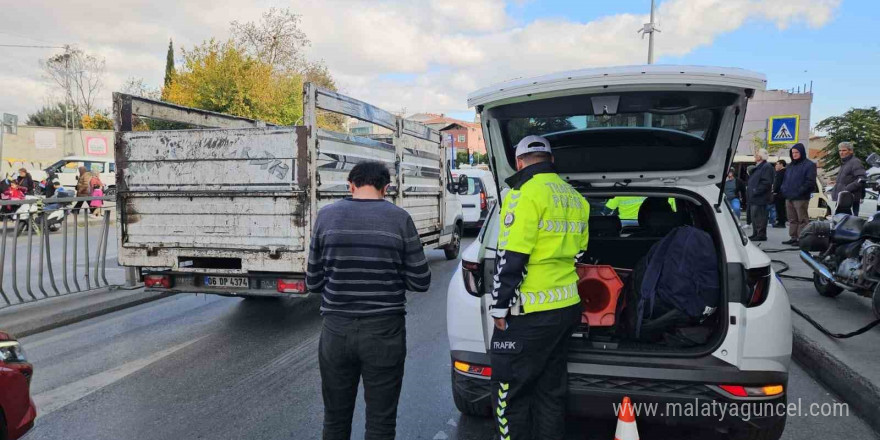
(479, 408)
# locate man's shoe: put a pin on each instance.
(759, 239)
(790, 241)
(779, 225)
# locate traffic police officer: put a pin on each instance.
(535, 302)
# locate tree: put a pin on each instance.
(861, 126)
(51, 115)
(169, 64)
(80, 77)
(276, 39)
(222, 77)
(97, 121)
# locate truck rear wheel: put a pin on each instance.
(451, 249)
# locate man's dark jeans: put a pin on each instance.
(370, 347)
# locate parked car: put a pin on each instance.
(481, 193)
(608, 142)
(67, 170)
(18, 409)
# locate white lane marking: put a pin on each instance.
(441, 436)
(62, 396)
(452, 423)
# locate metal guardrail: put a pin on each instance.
(39, 220)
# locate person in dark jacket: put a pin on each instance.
(734, 190)
(778, 199)
(25, 181)
(760, 195)
(850, 177)
(798, 184)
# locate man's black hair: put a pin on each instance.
(536, 156)
(370, 173)
(784, 163)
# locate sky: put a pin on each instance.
(427, 55)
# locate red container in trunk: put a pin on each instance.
(599, 287)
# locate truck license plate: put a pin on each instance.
(226, 282)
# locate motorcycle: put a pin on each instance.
(847, 253)
(30, 216)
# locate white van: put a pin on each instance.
(481, 193)
(651, 131)
(67, 170)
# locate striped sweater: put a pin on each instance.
(363, 257)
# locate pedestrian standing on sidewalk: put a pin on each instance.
(83, 187)
(778, 198)
(365, 253)
(760, 195)
(734, 190)
(798, 185)
(851, 176)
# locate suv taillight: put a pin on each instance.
(483, 201)
(758, 282)
(473, 277)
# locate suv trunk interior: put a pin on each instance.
(623, 244)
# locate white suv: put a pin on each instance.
(662, 132)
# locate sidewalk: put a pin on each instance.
(27, 319)
(846, 366)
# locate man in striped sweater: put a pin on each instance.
(365, 254)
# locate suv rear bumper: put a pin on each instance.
(665, 394)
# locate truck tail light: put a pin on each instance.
(163, 281)
(291, 286)
(479, 370)
(473, 277)
(758, 282)
(483, 201)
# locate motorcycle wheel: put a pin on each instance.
(825, 287)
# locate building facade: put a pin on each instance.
(38, 147)
(765, 104)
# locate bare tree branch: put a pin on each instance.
(79, 76)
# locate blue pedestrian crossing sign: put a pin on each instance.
(783, 129)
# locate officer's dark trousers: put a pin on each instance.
(350, 348)
(529, 374)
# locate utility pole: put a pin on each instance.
(649, 29)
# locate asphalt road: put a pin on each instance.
(206, 367)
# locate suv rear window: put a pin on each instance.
(651, 131)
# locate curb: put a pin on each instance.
(860, 393)
(51, 313)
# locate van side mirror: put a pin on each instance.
(462, 185)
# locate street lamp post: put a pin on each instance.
(649, 29)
